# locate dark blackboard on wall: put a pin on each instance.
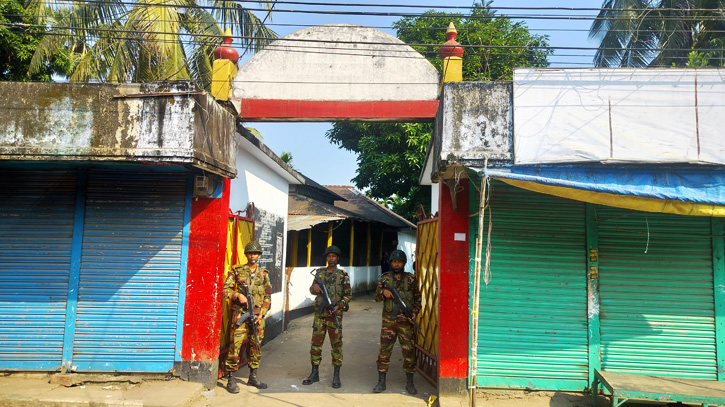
(269, 232)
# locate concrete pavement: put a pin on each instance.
(285, 363)
(35, 390)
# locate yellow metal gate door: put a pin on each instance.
(427, 269)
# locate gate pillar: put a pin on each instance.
(204, 280)
(453, 295)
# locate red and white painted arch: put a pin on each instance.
(337, 72)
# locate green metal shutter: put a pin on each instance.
(656, 294)
(533, 314)
(37, 209)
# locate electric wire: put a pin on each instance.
(308, 40)
(185, 38)
(528, 16)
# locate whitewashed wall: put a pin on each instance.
(435, 197)
(259, 182)
(406, 243)
(361, 279)
(337, 74)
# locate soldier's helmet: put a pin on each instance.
(253, 247)
(398, 255)
(332, 249)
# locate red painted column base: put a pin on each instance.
(453, 312)
(204, 281)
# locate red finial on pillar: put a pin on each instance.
(451, 48)
(226, 51)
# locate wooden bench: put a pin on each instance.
(624, 386)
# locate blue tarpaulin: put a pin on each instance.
(693, 191)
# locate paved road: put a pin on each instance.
(286, 362)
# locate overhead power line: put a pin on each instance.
(432, 15)
(444, 7)
(321, 41)
(399, 54)
(461, 30)
(352, 48)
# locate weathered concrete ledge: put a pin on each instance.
(161, 123)
(474, 123)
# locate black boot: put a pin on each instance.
(254, 381)
(336, 378)
(409, 386)
(381, 383)
(232, 384)
(314, 376)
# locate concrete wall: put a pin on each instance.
(406, 243)
(152, 123)
(362, 280)
(474, 123)
(434, 198)
(383, 79)
(260, 184)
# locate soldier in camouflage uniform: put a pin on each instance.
(397, 326)
(240, 279)
(337, 283)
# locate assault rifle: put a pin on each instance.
(326, 303)
(400, 306)
(249, 315)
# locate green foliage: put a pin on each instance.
(498, 44)
(648, 33)
(287, 158)
(154, 40)
(390, 156)
(19, 36)
(697, 59)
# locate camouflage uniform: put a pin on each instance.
(261, 290)
(338, 287)
(398, 327)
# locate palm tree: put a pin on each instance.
(642, 33)
(143, 40)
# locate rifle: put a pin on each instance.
(249, 314)
(400, 305)
(326, 303)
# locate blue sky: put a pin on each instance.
(307, 142)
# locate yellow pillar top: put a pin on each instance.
(452, 55)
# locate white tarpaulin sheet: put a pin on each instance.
(619, 115)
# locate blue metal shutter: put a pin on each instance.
(656, 294)
(533, 314)
(128, 297)
(36, 231)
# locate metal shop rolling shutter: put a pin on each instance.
(36, 231)
(129, 281)
(656, 308)
(533, 315)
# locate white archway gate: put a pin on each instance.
(337, 72)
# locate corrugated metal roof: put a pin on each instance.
(367, 208)
(302, 222)
(304, 212)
